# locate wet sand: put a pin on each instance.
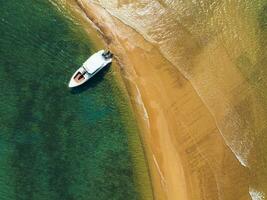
(187, 156)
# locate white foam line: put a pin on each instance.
(159, 171)
(256, 195)
(140, 102)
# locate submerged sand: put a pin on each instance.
(187, 155)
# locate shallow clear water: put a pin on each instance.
(220, 47)
(57, 143)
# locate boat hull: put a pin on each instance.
(89, 68)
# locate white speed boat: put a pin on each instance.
(90, 67)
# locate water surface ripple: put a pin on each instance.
(56, 143)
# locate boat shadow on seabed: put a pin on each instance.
(92, 82)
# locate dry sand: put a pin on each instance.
(187, 156)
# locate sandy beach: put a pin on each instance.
(187, 156)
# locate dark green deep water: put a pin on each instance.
(56, 143)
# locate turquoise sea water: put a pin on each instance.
(56, 143)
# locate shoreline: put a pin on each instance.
(142, 179)
(71, 144)
(185, 151)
